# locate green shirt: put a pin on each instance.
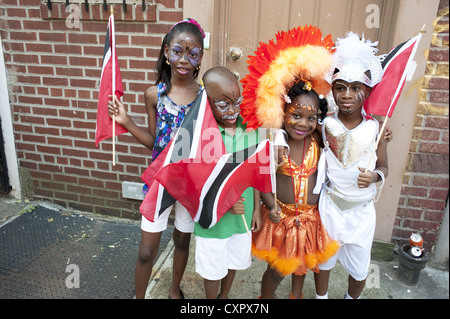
(233, 224)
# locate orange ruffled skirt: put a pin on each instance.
(288, 248)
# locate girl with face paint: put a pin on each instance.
(298, 240)
(166, 104)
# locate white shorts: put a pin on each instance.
(354, 230)
(183, 221)
(214, 256)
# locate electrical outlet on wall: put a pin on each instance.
(132, 190)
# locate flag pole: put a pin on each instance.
(387, 117)
(376, 143)
(273, 153)
(245, 223)
(113, 55)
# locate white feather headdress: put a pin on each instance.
(355, 61)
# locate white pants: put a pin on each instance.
(214, 256)
(183, 221)
(354, 230)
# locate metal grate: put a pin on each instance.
(36, 248)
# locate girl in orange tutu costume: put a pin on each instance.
(286, 89)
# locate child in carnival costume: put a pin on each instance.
(285, 90)
(348, 190)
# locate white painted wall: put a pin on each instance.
(8, 133)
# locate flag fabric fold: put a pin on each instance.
(208, 189)
(396, 67)
(110, 80)
(197, 137)
(195, 170)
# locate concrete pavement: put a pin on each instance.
(382, 282)
(89, 238)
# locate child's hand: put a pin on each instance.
(280, 152)
(388, 135)
(274, 215)
(238, 207)
(118, 109)
(256, 221)
(365, 179)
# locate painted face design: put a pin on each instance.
(349, 96)
(301, 116)
(224, 105)
(185, 50)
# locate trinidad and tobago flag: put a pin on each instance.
(110, 81)
(396, 67)
(208, 189)
(195, 170)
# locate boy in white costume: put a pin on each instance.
(346, 203)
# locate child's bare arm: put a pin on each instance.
(145, 137)
(256, 218)
(365, 179)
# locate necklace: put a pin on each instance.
(297, 197)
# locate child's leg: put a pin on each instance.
(270, 281)
(355, 287)
(211, 288)
(297, 286)
(180, 257)
(148, 249)
(226, 284)
(184, 226)
(321, 280)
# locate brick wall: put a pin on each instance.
(53, 69)
(426, 181)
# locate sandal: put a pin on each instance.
(291, 296)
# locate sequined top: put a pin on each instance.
(349, 146)
(301, 173)
(346, 150)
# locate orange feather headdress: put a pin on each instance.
(300, 53)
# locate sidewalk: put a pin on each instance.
(382, 282)
(43, 245)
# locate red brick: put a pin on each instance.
(16, 12)
(426, 203)
(430, 163)
(48, 149)
(26, 58)
(438, 55)
(437, 122)
(433, 216)
(59, 141)
(52, 37)
(414, 191)
(436, 148)
(439, 97)
(420, 225)
(439, 83)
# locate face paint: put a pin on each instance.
(183, 50)
(225, 105)
(194, 56)
(230, 117)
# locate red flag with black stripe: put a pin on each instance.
(110, 80)
(396, 67)
(197, 137)
(195, 170)
(209, 188)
